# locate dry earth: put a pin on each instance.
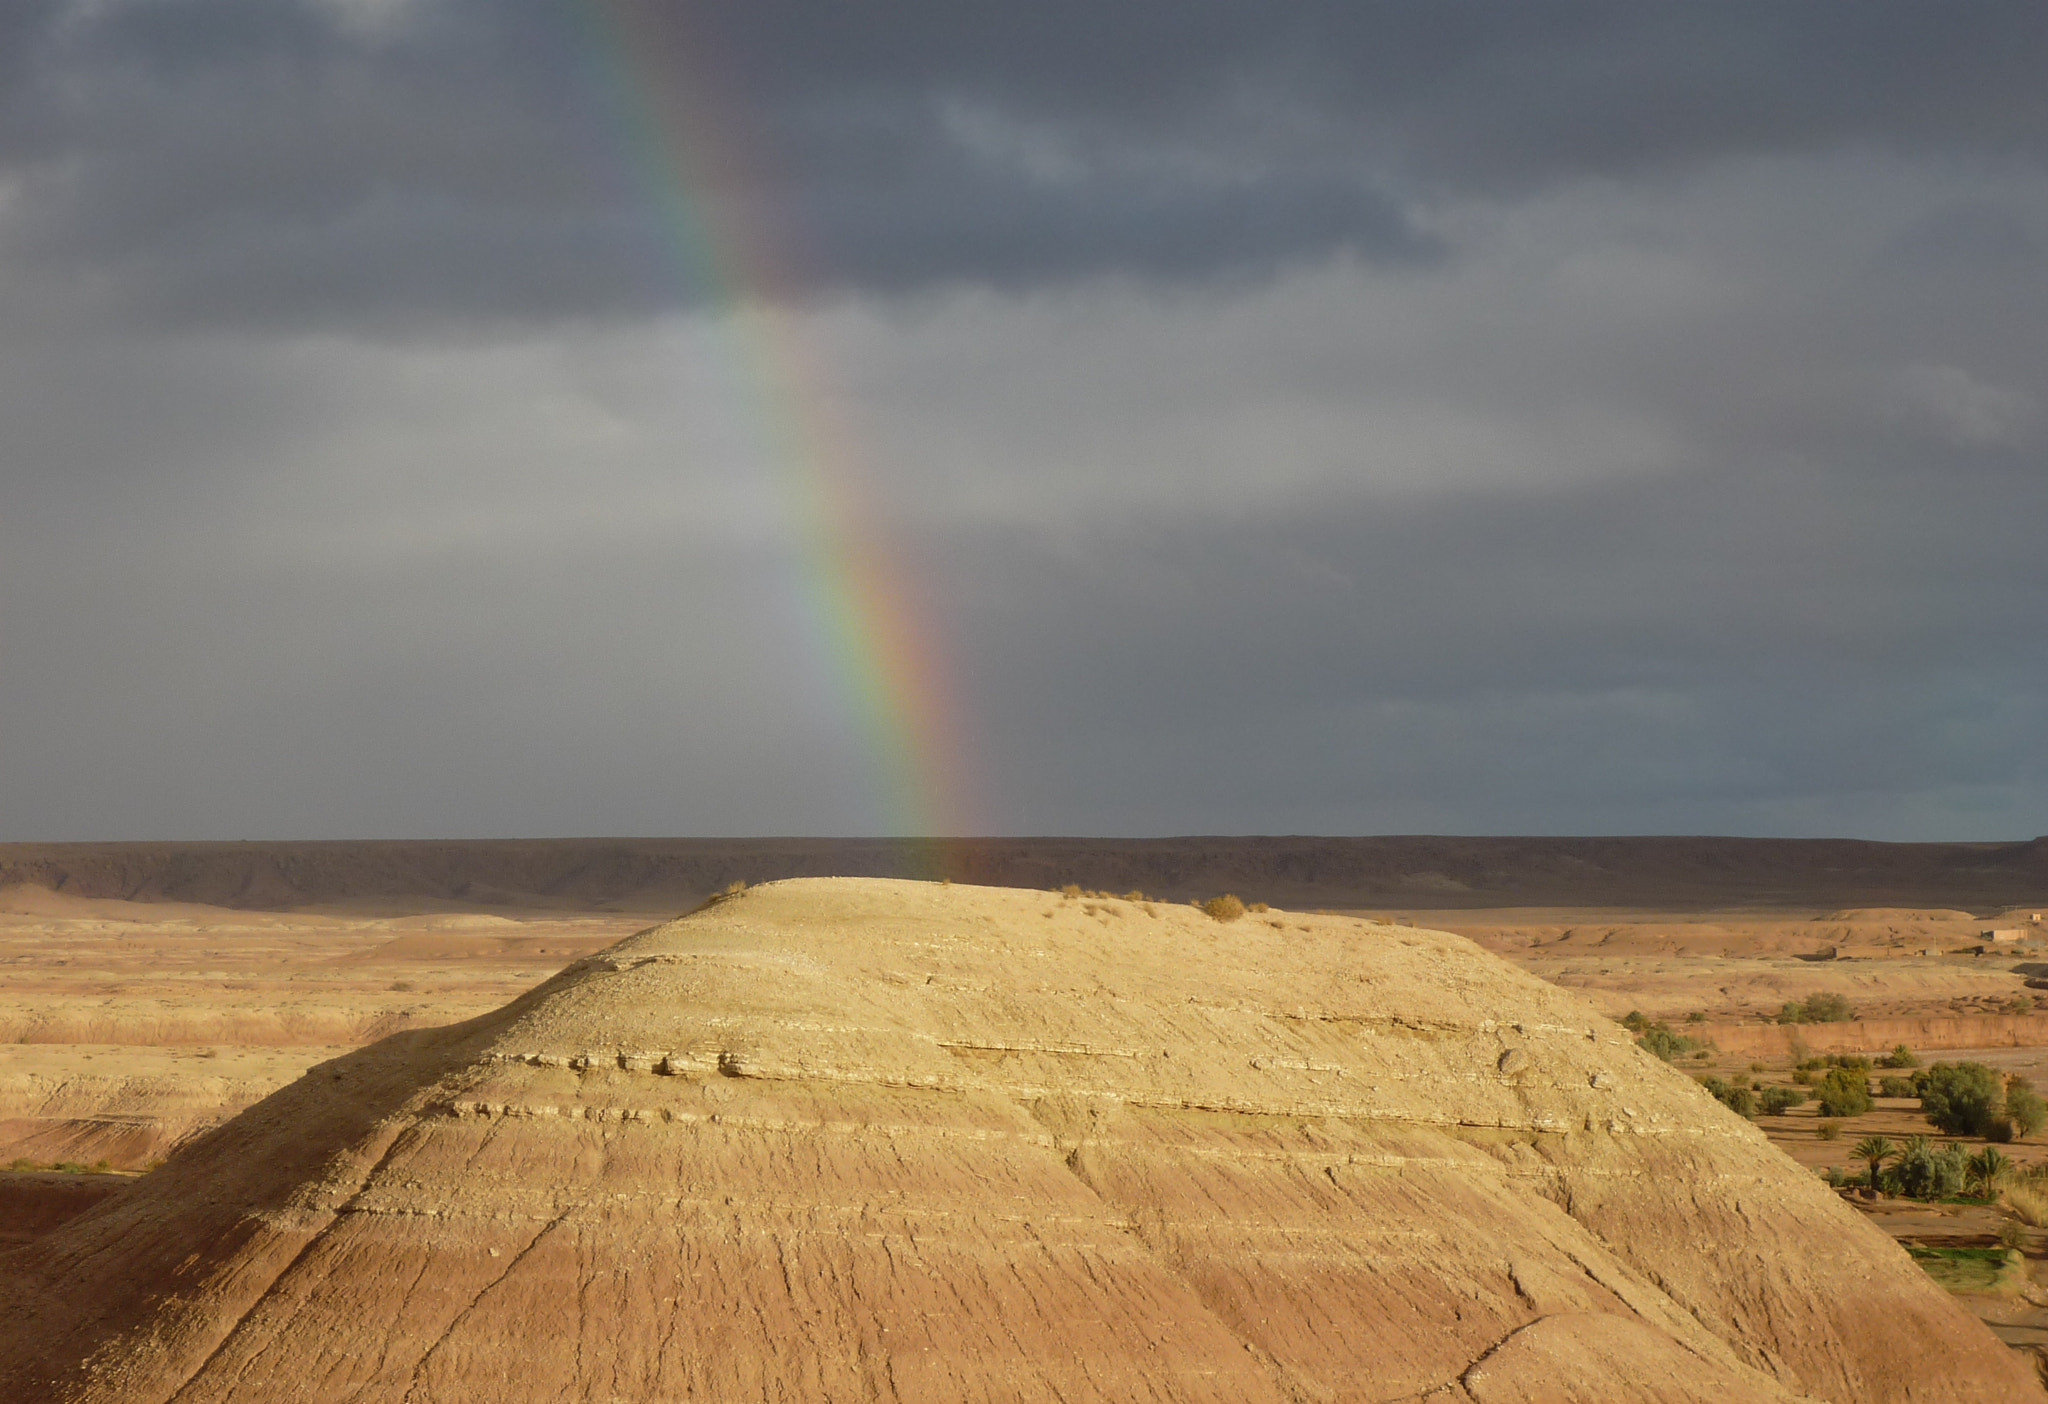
(846, 1139)
(126, 1026)
(1742, 966)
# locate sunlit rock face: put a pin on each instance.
(845, 1139)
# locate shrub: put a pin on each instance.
(1661, 1042)
(1874, 1151)
(1896, 1087)
(1961, 1099)
(1854, 1061)
(1696, 1017)
(1828, 1009)
(1803, 1076)
(1258, 907)
(1635, 1021)
(1739, 1100)
(2029, 1113)
(2012, 1234)
(1224, 908)
(1844, 1092)
(1776, 1101)
(1900, 1057)
(1072, 889)
(1828, 1130)
(1987, 1169)
(2028, 1201)
(1925, 1171)
(1818, 1009)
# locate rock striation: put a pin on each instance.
(846, 1139)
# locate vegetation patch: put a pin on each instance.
(1820, 1009)
(1737, 1098)
(1844, 1092)
(62, 1167)
(1971, 1099)
(1225, 908)
(1657, 1037)
(1978, 1270)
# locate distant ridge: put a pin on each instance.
(1397, 872)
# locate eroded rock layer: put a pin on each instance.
(859, 1139)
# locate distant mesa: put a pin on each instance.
(884, 1140)
(1916, 881)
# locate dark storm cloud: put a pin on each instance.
(299, 160)
(1313, 417)
(1636, 657)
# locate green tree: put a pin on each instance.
(1986, 1168)
(1926, 1171)
(1737, 1099)
(1961, 1099)
(1828, 1009)
(1844, 1092)
(1776, 1101)
(2029, 1113)
(1874, 1151)
(1900, 1057)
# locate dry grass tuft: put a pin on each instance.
(1224, 908)
(2029, 1200)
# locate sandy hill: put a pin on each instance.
(1397, 872)
(846, 1140)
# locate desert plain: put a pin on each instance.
(1062, 1136)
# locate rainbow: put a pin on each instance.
(689, 157)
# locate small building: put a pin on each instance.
(2004, 936)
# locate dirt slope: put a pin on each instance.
(838, 1140)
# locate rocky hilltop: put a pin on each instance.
(845, 1139)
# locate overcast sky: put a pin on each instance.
(1287, 417)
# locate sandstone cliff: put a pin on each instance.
(864, 1139)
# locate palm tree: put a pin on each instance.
(1987, 1167)
(1874, 1151)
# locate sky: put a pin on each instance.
(490, 418)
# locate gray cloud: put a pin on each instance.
(1548, 418)
(273, 161)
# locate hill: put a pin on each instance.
(833, 1140)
